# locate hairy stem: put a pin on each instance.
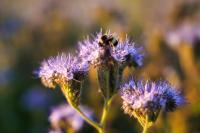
(88, 120)
(105, 114)
(145, 127)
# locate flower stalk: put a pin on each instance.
(104, 116)
(145, 127)
(88, 120)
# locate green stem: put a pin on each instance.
(105, 114)
(101, 130)
(146, 125)
(88, 120)
(91, 122)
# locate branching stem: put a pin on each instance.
(88, 120)
(105, 113)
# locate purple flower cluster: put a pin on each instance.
(62, 68)
(124, 52)
(64, 115)
(110, 55)
(147, 96)
(59, 69)
(185, 33)
(128, 53)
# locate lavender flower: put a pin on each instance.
(65, 71)
(60, 69)
(110, 56)
(89, 51)
(65, 116)
(185, 33)
(126, 52)
(147, 98)
(112, 49)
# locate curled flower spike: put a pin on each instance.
(64, 116)
(64, 71)
(143, 99)
(110, 56)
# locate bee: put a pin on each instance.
(106, 40)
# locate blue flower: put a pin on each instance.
(141, 98)
(60, 69)
(107, 47)
(126, 52)
(110, 56)
(89, 50)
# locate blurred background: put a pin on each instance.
(32, 30)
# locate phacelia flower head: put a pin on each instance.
(64, 71)
(126, 52)
(110, 56)
(108, 48)
(148, 98)
(65, 116)
(60, 69)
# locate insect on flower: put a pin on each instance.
(108, 40)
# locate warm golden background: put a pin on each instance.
(31, 30)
